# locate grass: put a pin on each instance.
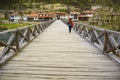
(12, 25)
(3, 19)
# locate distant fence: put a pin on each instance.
(107, 41)
(13, 41)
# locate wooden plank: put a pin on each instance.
(58, 55)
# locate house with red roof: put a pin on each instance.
(47, 16)
(40, 16)
(14, 17)
(86, 15)
(62, 15)
(75, 15)
(32, 17)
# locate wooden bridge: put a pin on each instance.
(57, 54)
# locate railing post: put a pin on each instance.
(17, 40)
(105, 41)
(28, 34)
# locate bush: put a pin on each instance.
(2, 28)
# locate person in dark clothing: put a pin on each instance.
(70, 24)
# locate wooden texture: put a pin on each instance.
(59, 55)
(106, 40)
(18, 39)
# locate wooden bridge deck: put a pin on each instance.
(58, 55)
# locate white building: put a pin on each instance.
(86, 15)
(74, 15)
(63, 15)
(14, 18)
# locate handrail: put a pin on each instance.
(107, 41)
(13, 41)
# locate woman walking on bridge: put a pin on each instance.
(70, 24)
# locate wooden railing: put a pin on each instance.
(13, 41)
(107, 41)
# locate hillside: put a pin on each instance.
(109, 8)
(41, 7)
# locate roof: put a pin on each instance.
(14, 14)
(41, 15)
(33, 15)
